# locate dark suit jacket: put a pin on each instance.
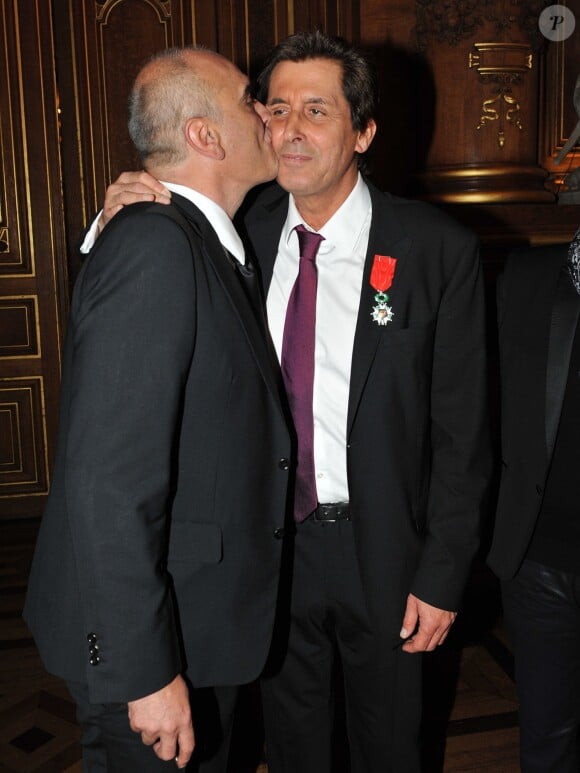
(538, 311)
(417, 445)
(161, 532)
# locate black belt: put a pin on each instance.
(335, 511)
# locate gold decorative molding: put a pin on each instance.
(103, 8)
(503, 61)
(503, 64)
(4, 241)
(19, 328)
(486, 184)
(23, 459)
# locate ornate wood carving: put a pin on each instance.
(453, 21)
(503, 65)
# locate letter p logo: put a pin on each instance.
(556, 22)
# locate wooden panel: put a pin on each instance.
(23, 464)
(19, 334)
(444, 71)
(32, 256)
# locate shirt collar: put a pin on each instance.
(218, 218)
(339, 229)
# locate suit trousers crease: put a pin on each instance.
(110, 746)
(329, 619)
(542, 611)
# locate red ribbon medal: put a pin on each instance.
(382, 274)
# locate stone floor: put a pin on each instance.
(470, 705)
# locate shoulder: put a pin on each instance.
(536, 260)
(421, 220)
(146, 243)
(528, 271)
(147, 228)
(527, 267)
(262, 202)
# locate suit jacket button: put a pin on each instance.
(284, 464)
(92, 638)
(539, 488)
(95, 660)
(279, 533)
(93, 649)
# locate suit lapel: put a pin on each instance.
(263, 227)
(565, 310)
(225, 271)
(387, 237)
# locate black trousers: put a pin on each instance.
(382, 685)
(110, 746)
(542, 610)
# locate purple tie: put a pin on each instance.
(298, 368)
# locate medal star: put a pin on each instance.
(382, 314)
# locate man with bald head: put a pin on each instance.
(154, 582)
(375, 307)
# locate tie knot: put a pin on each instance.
(309, 242)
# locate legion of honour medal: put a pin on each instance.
(381, 279)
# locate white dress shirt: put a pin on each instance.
(340, 263)
(218, 218)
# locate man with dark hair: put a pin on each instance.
(375, 308)
(155, 577)
(536, 544)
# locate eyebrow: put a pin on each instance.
(308, 101)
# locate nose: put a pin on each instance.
(293, 126)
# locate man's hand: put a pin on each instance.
(164, 721)
(432, 625)
(128, 188)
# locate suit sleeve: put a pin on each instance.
(460, 446)
(134, 331)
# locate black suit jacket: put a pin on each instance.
(160, 536)
(538, 311)
(417, 443)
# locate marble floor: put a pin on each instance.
(470, 705)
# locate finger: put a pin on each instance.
(116, 201)
(126, 196)
(149, 739)
(186, 745)
(424, 640)
(140, 182)
(139, 178)
(114, 204)
(417, 644)
(166, 747)
(108, 213)
(409, 622)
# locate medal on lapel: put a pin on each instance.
(382, 274)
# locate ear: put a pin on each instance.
(365, 137)
(203, 136)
